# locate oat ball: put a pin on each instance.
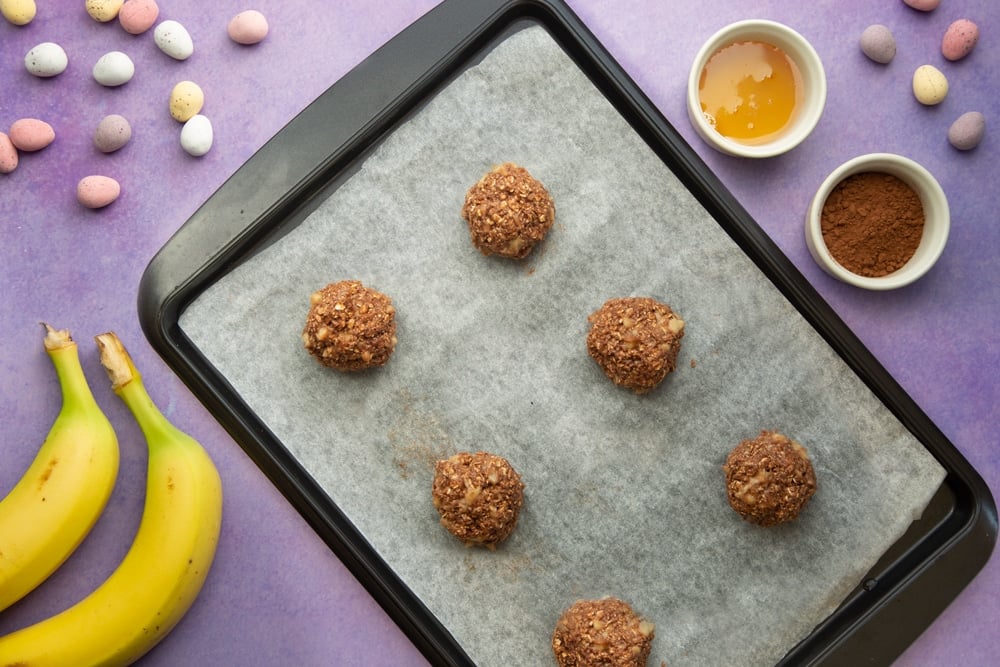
(635, 341)
(508, 212)
(769, 479)
(604, 633)
(478, 496)
(350, 327)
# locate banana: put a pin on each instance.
(166, 566)
(54, 505)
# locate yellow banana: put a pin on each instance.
(163, 571)
(54, 505)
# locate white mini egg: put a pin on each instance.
(174, 40)
(197, 136)
(46, 60)
(113, 69)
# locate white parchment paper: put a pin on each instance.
(625, 493)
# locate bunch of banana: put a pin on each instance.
(163, 571)
(55, 504)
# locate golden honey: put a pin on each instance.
(749, 91)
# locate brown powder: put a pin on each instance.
(872, 223)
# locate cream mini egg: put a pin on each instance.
(247, 27)
(18, 12)
(930, 86)
(103, 10)
(46, 60)
(173, 39)
(967, 131)
(186, 100)
(138, 16)
(8, 154)
(197, 136)
(97, 191)
(31, 134)
(959, 39)
(114, 68)
(112, 132)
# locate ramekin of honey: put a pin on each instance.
(756, 89)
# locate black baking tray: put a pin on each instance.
(902, 594)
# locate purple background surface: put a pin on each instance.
(276, 594)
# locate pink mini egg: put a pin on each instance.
(8, 155)
(959, 39)
(923, 5)
(249, 27)
(138, 16)
(31, 134)
(97, 191)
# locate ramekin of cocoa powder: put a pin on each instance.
(879, 221)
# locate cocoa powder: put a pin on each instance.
(872, 223)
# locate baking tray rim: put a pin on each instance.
(873, 622)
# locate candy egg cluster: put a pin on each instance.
(929, 84)
(115, 69)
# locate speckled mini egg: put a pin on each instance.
(197, 136)
(97, 191)
(923, 5)
(113, 132)
(31, 134)
(967, 131)
(103, 10)
(8, 154)
(173, 39)
(138, 16)
(18, 12)
(46, 60)
(930, 86)
(113, 69)
(959, 39)
(249, 27)
(186, 100)
(878, 43)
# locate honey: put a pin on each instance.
(749, 91)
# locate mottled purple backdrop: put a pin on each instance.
(276, 595)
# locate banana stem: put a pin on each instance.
(126, 382)
(65, 356)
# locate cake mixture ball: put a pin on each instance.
(604, 633)
(635, 341)
(478, 496)
(508, 212)
(769, 479)
(350, 327)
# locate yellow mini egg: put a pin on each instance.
(930, 86)
(186, 100)
(104, 10)
(18, 12)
